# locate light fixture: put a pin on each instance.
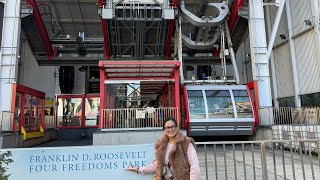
(308, 22)
(282, 36)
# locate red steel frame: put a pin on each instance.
(174, 77)
(255, 102)
(83, 110)
(23, 90)
(41, 28)
(105, 33)
(233, 18)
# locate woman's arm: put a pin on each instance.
(151, 168)
(193, 163)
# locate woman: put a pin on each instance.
(175, 156)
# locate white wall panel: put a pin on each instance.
(283, 71)
(283, 25)
(301, 10)
(308, 63)
(34, 76)
(43, 78)
(79, 81)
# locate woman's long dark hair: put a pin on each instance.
(169, 119)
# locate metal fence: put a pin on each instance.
(290, 123)
(260, 160)
(288, 115)
(132, 118)
(49, 122)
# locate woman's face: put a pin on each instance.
(170, 129)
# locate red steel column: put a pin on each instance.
(23, 101)
(170, 34)
(177, 94)
(171, 29)
(102, 96)
(42, 114)
(186, 104)
(233, 18)
(105, 33)
(83, 112)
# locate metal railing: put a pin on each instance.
(289, 123)
(133, 118)
(32, 123)
(290, 116)
(295, 159)
(69, 120)
(49, 122)
(11, 123)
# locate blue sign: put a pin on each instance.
(79, 163)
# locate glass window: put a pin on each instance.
(17, 110)
(219, 104)
(27, 113)
(286, 102)
(92, 111)
(196, 104)
(69, 111)
(243, 104)
(33, 114)
(39, 117)
(310, 100)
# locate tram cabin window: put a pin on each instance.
(243, 104)
(219, 104)
(196, 104)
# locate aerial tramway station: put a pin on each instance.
(101, 66)
(109, 72)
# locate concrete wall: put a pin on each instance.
(127, 137)
(12, 140)
(262, 133)
(48, 136)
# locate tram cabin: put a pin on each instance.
(219, 110)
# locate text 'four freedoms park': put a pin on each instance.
(86, 162)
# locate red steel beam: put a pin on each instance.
(170, 34)
(171, 29)
(41, 28)
(176, 95)
(105, 34)
(137, 72)
(233, 18)
(142, 78)
(141, 64)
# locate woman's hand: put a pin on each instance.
(133, 168)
